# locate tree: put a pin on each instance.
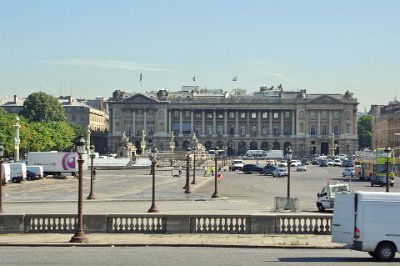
(42, 107)
(364, 130)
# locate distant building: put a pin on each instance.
(268, 119)
(77, 112)
(386, 127)
(12, 105)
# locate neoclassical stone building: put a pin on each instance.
(268, 119)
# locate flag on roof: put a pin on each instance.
(140, 77)
(194, 78)
(235, 78)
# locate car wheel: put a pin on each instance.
(391, 185)
(14, 180)
(344, 175)
(320, 207)
(372, 254)
(385, 251)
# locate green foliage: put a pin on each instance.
(7, 131)
(36, 136)
(42, 107)
(364, 130)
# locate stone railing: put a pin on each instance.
(169, 224)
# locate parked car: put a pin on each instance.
(301, 168)
(323, 163)
(237, 165)
(252, 168)
(348, 172)
(282, 163)
(330, 162)
(295, 163)
(337, 162)
(381, 181)
(280, 172)
(268, 169)
(315, 162)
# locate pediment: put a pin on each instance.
(140, 99)
(325, 99)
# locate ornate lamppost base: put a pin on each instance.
(91, 197)
(79, 237)
(215, 195)
(153, 208)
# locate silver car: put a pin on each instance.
(280, 172)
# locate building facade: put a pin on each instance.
(268, 119)
(386, 127)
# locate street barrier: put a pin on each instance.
(275, 223)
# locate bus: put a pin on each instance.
(369, 163)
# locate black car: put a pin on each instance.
(30, 175)
(251, 168)
(323, 163)
(268, 169)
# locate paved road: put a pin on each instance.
(130, 191)
(182, 256)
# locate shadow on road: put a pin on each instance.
(332, 259)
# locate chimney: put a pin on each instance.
(15, 99)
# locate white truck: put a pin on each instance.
(368, 221)
(57, 164)
(5, 173)
(326, 198)
(274, 154)
(17, 172)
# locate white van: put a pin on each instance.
(5, 173)
(17, 172)
(368, 221)
(34, 171)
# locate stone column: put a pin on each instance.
(169, 120)
(192, 121)
(270, 114)
(225, 123)
(319, 122)
(293, 113)
(248, 123)
(282, 114)
(203, 123)
(134, 122)
(236, 123)
(145, 120)
(330, 122)
(307, 122)
(259, 124)
(214, 122)
(180, 122)
(166, 122)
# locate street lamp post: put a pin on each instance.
(172, 146)
(215, 194)
(194, 166)
(1, 177)
(289, 158)
(153, 207)
(187, 186)
(388, 153)
(17, 140)
(79, 236)
(92, 155)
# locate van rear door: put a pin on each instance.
(343, 218)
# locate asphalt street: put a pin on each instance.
(129, 190)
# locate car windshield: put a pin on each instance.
(344, 188)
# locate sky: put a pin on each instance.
(90, 48)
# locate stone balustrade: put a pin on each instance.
(275, 223)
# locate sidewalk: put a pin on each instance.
(190, 240)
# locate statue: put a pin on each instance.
(348, 94)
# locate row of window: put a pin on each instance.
(231, 115)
